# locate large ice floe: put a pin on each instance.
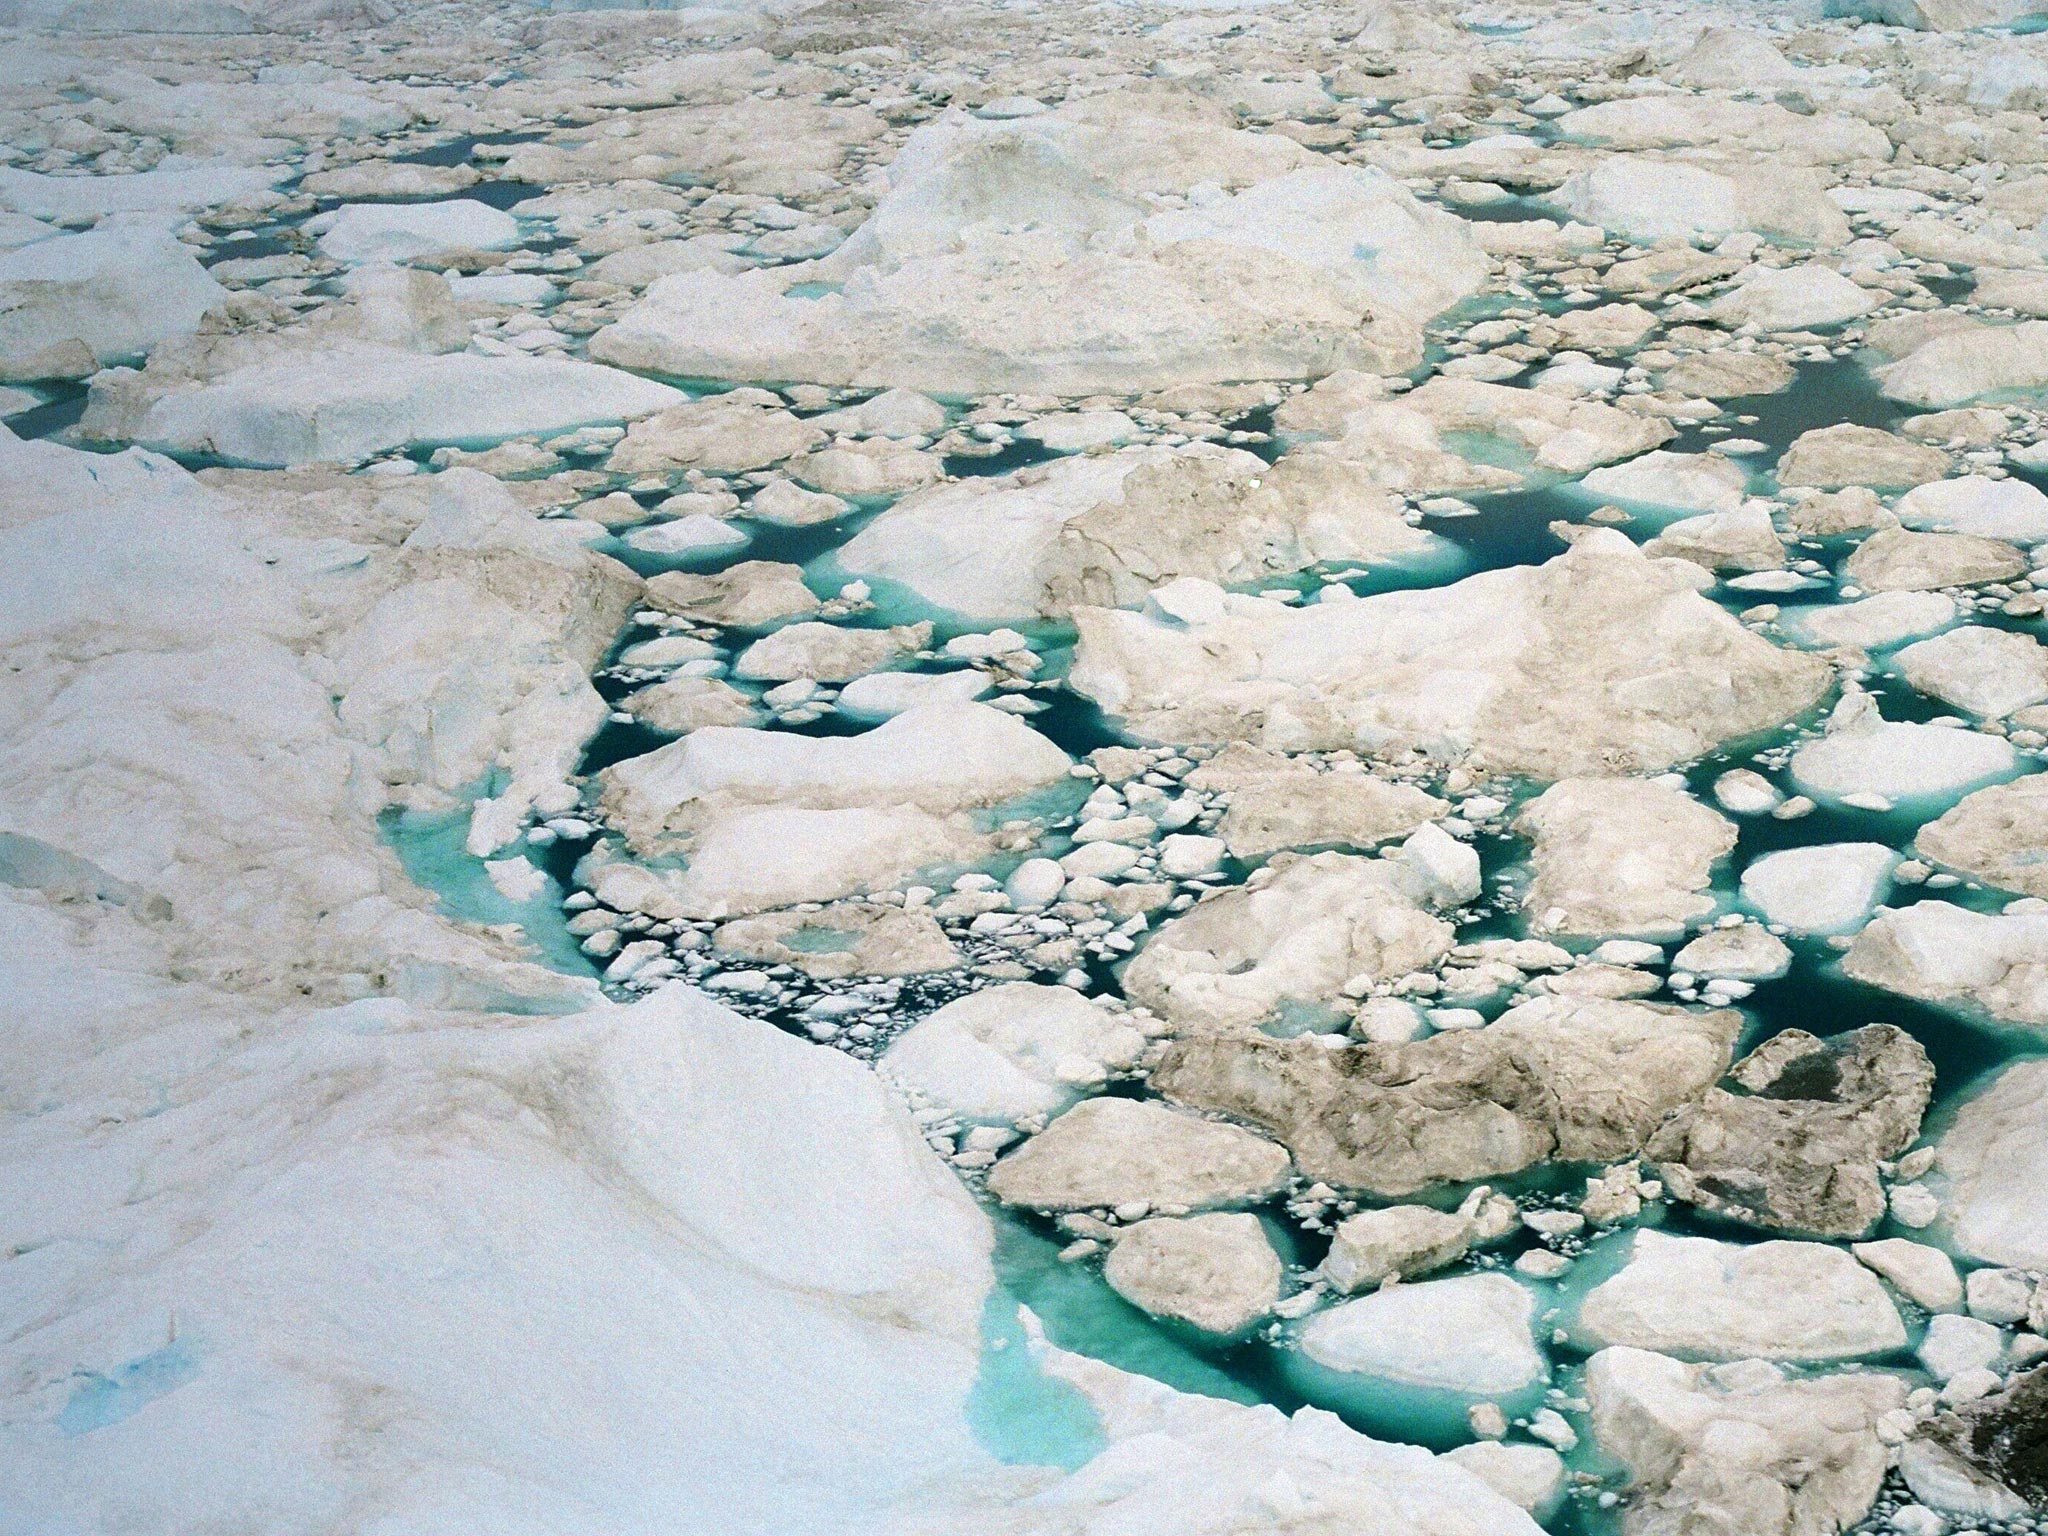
(1044, 770)
(1025, 254)
(1600, 658)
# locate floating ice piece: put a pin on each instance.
(1900, 560)
(1802, 1453)
(1925, 1276)
(1011, 1051)
(175, 186)
(1217, 1272)
(516, 879)
(1773, 581)
(1793, 299)
(1730, 1301)
(1998, 835)
(1741, 540)
(882, 695)
(1956, 1344)
(941, 757)
(1246, 1453)
(119, 290)
(1826, 889)
(1746, 792)
(1989, 672)
(1071, 284)
(1997, 1201)
(1249, 955)
(2008, 509)
(1445, 871)
(1864, 754)
(1957, 366)
(1936, 950)
(760, 859)
(361, 232)
(1468, 1334)
(1698, 482)
(1079, 431)
(1621, 856)
(1746, 952)
(1573, 666)
(1108, 528)
(1872, 623)
(1647, 200)
(695, 534)
(345, 401)
(1108, 1152)
(503, 288)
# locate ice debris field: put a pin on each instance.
(1146, 768)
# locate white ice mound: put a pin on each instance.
(1729, 1301)
(1997, 1180)
(1108, 1151)
(1989, 672)
(40, 479)
(1010, 1051)
(1976, 504)
(1351, 223)
(156, 659)
(1958, 365)
(1696, 482)
(374, 1202)
(367, 232)
(1467, 1334)
(1793, 299)
(1243, 956)
(1871, 623)
(118, 291)
(1107, 528)
(1867, 756)
(1645, 199)
(940, 758)
(1015, 256)
(1829, 888)
(433, 1210)
(173, 187)
(1621, 856)
(291, 403)
(1762, 1446)
(1200, 1466)
(1598, 660)
(1945, 953)
(771, 817)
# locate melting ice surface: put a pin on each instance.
(100, 1399)
(1018, 1412)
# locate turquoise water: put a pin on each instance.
(431, 847)
(1021, 1415)
(1510, 210)
(461, 149)
(1429, 1416)
(100, 1399)
(60, 410)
